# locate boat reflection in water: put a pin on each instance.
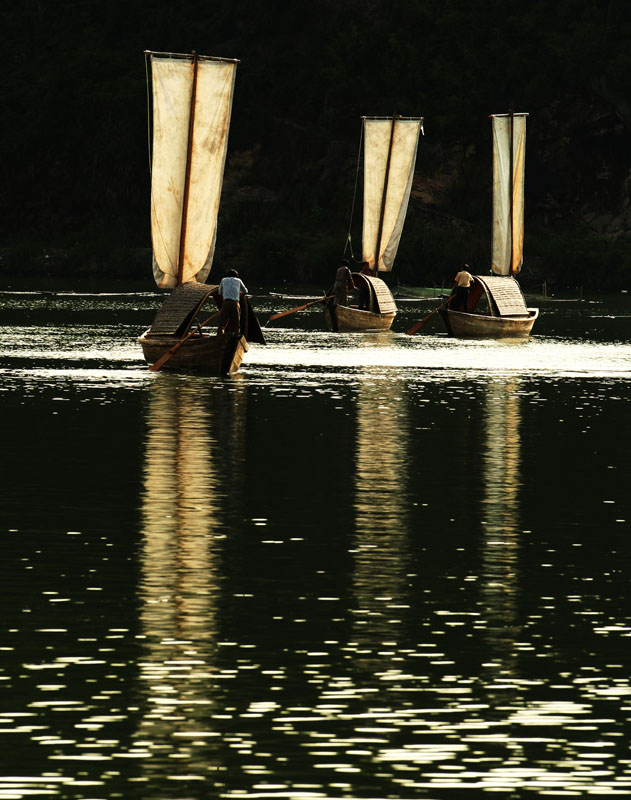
(381, 548)
(183, 533)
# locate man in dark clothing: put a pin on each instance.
(343, 282)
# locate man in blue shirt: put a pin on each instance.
(230, 289)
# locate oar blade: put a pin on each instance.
(162, 360)
(286, 313)
(298, 308)
(415, 327)
(418, 325)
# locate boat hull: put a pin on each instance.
(344, 319)
(470, 326)
(207, 355)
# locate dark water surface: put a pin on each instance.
(367, 566)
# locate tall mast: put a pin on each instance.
(383, 199)
(511, 190)
(187, 179)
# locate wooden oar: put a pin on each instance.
(163, 359)
(422, 322)
(299, 308)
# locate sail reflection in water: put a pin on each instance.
(381, 546)
(182, 532)
(501, 481)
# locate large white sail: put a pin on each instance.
(389, 159)
(508, 235)
(172, 82)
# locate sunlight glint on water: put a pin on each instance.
(365, 567)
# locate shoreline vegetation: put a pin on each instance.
(85, 283)
(564, 265)
(76, 191)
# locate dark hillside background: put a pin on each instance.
(75, 187)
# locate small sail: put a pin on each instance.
(389, 159)
(172, 82)
(508, 238)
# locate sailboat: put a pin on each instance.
(496, 304)
(191, 104)
(390, 147)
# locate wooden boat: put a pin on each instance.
(378, 317)
(497, 308)
(204, 353)
(390, 148)
(191, 102)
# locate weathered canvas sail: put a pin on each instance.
(508, 193)
(390, 147)
(173, 87)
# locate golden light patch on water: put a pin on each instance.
(545, 356)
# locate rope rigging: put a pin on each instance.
(349, 241)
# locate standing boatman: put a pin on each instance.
(231, 289)
(343, 282)
(462, 281)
